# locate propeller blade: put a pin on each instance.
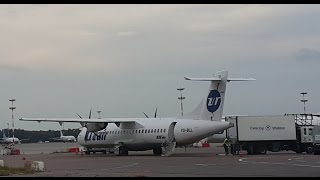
(146, 115)
(90, 113)
(155, 114)
(79, 116)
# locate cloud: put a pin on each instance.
(126, 33)
(78, 38)
(78, 55)
(13, 68)
(307, 54)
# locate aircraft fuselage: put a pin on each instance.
(153, 133)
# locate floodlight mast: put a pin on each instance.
(304, 101)
(12, 108)
(181, 98)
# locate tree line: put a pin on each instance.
(36, 136)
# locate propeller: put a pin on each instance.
(79, 116)
(155, 113)
(84, 124)
(146, 115)
(89, 118)
(89, 114)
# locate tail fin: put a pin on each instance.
(211, 106)
(61, 133)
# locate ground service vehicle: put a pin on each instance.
(259, 134)
(316, 140)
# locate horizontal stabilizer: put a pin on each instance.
(240, 79)
(219, 79)
(203, 79)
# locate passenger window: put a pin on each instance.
(139, 131)
(148, 130)
(142, 131)
(154, 130)
(158, 131)
(164, 130)
(305, 131)
(151, 130)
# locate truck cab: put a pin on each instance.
(305, 138)
(316, 140)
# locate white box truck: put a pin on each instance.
(259, 134)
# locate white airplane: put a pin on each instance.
(64, 138)
(9, 140)
(161, 135)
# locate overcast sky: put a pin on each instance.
(59, 60)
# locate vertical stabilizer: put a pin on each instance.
(211, 106)
(61, 135)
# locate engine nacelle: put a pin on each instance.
(94, 127)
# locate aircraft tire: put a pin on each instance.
(157, 151)
(123, 151)
(309, 150)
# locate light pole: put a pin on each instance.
(8, 129)
(12, 108)
(304, 101)
(99, 114)
(181, 98)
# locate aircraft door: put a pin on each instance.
(170, 137)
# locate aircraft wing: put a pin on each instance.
(56, 139)
(77, 120)
(85, 120)
(21, 140)
(240, 79)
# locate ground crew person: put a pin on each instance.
(226, 145)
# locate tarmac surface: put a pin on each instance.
(194, 162)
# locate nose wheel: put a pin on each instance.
(123, 151)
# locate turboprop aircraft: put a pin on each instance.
(161, 135)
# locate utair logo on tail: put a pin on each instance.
(213, 101)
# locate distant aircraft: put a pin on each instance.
(64, 138)
(8, 140)
(161, 135)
